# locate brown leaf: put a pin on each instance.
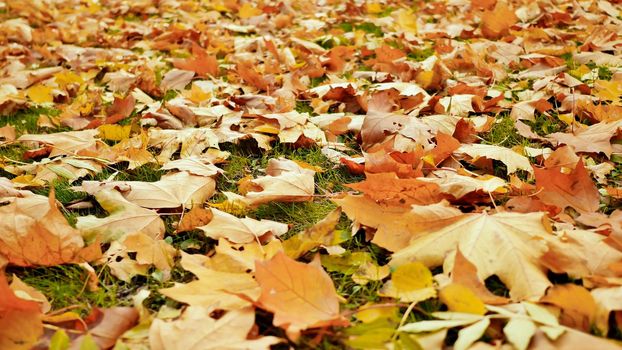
(465, 273)
(577, 304)
(300, 295)
(197, 216)
(201, 63)
(107, 325)
(387, 188)
(40, 238)
(20, 320)
(575, 189)
(497, 22)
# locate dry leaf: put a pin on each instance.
(575, 189)
(245, 230)
(516, 241)
(196, 329)
(165, 193)
(33, 233)
(20, 320)
(124, 217)
(387, 188)
(300, 295)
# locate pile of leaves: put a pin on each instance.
(206, 174)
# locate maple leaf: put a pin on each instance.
(240, 258)
(300, 295)
(574, 189)
(197, 216)
(106, 325)
(516, 241)
(202, 63)
(594, 138)
(395, 226)
(322, 233)
(577, 305)
(34, 232)
(148, 252)
(65, 143)
(213, 288)
(125, 217)
(459, 185)
(511, 159)
(196, 329)
(465, 274)
(286, 181)
(245, 230)
(20, 320)
(387, 188)
(164, 193)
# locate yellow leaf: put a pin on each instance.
(580, 71)
(65, 78)
(412, 276)
(247, 11)
(268, 129)
(114, 132)
(608, 90)
(374, 7)
(40, 94)
(425, 78)
(459, 298)
(368, 313)
(567, 118)
(27, 180)
(407, 21)
(306, 165)
(197, 95)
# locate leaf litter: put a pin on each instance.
(336, 174)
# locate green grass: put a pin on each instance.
(66, 286)
(25, 121)
(503, 133)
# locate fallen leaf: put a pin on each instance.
(20, 320)
(396, 226)
(575, 189)
(594, 138)
(165, 193)
(411, 282)
(197, 216)
(300, 295)
(497, 22)
(196, 329)
(245, 230)
(387, 188)
(322, 233)
(213, 288)
(512, 160)
(464, 273)
(124, 217)
(36, 234)
(515, 240)
(577, 305)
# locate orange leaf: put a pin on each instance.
(250, 76)
(38, 234)
(497, 22)
(201, 63)
(387, 188)
(196, 217)
(300, 295)
(465, 273)
(575, 189)
(577, 304)
(445, 146)
(20, 320)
